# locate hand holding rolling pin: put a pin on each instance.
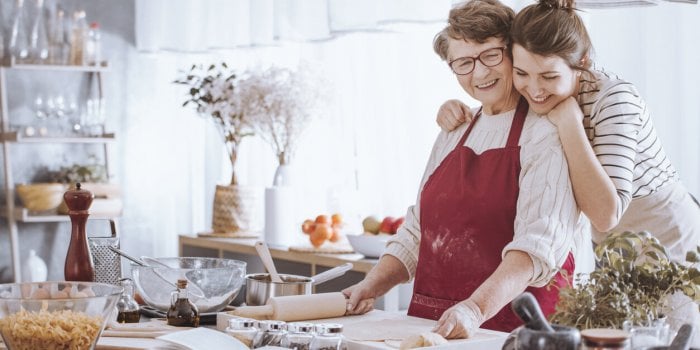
(360, 298)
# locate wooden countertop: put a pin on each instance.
(247, 246)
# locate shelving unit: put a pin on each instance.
(12, 213)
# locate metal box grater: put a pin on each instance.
(108, 266)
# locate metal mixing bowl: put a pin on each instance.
(55, 315)
(212, 283)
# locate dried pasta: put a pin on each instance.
(55, 330)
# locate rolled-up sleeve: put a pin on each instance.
(405, 245)
(547, 214)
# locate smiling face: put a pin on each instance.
(544, 81)
(492, 86)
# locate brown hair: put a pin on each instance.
(553, 28)
(475, 20)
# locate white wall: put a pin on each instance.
(656, 48)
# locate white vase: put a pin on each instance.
(34, 269)
(280, 227)
(283, 176)
(280, 223)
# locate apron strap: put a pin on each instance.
(469, 129)
(518, 121)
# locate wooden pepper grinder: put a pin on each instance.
(79, 266)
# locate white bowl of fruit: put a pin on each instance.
(372, 242)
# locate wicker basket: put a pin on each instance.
(233, 209)
(41, 197)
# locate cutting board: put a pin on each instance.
(389, 328)
(112, 343)
(229, 234)
(324, 249)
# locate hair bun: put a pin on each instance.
(557, 4)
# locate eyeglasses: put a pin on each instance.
(489, 58)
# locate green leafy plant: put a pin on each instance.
(633, 278)
(90, 172)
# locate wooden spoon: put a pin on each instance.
(264, 253)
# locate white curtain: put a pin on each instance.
(366, 152)
(178, 24)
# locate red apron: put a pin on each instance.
(467, 216)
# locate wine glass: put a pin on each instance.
(40, 108)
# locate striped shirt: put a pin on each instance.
(619, 127)
(547, 215)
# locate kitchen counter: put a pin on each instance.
(246, 246)
(296, 263)
(387, 324)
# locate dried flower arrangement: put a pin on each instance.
(282, 101)
(633, 278)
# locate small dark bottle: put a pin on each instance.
(79, 266)
(128, 309)
(182, 312)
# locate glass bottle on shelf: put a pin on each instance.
(58, 45)
(19, 40)
(93, 114)
(127, 308)
(182, 312)
(93, 48)
(2, 45)
(38, 39)
(77, 39)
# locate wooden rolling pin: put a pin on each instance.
(296, 308)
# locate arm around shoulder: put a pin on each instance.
(594, 190)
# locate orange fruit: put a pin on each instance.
(308, 226)
(324, 229)
(335, 237)
(317, 237)
(336, 219)
(322, 219)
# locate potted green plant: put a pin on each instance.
(632, 282)
(45, 194)
(92, 177)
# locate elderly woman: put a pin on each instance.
(496, 213)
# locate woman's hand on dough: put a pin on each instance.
(360, 298)
(460, 321)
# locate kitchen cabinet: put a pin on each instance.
(11, 136)
(290, 262)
